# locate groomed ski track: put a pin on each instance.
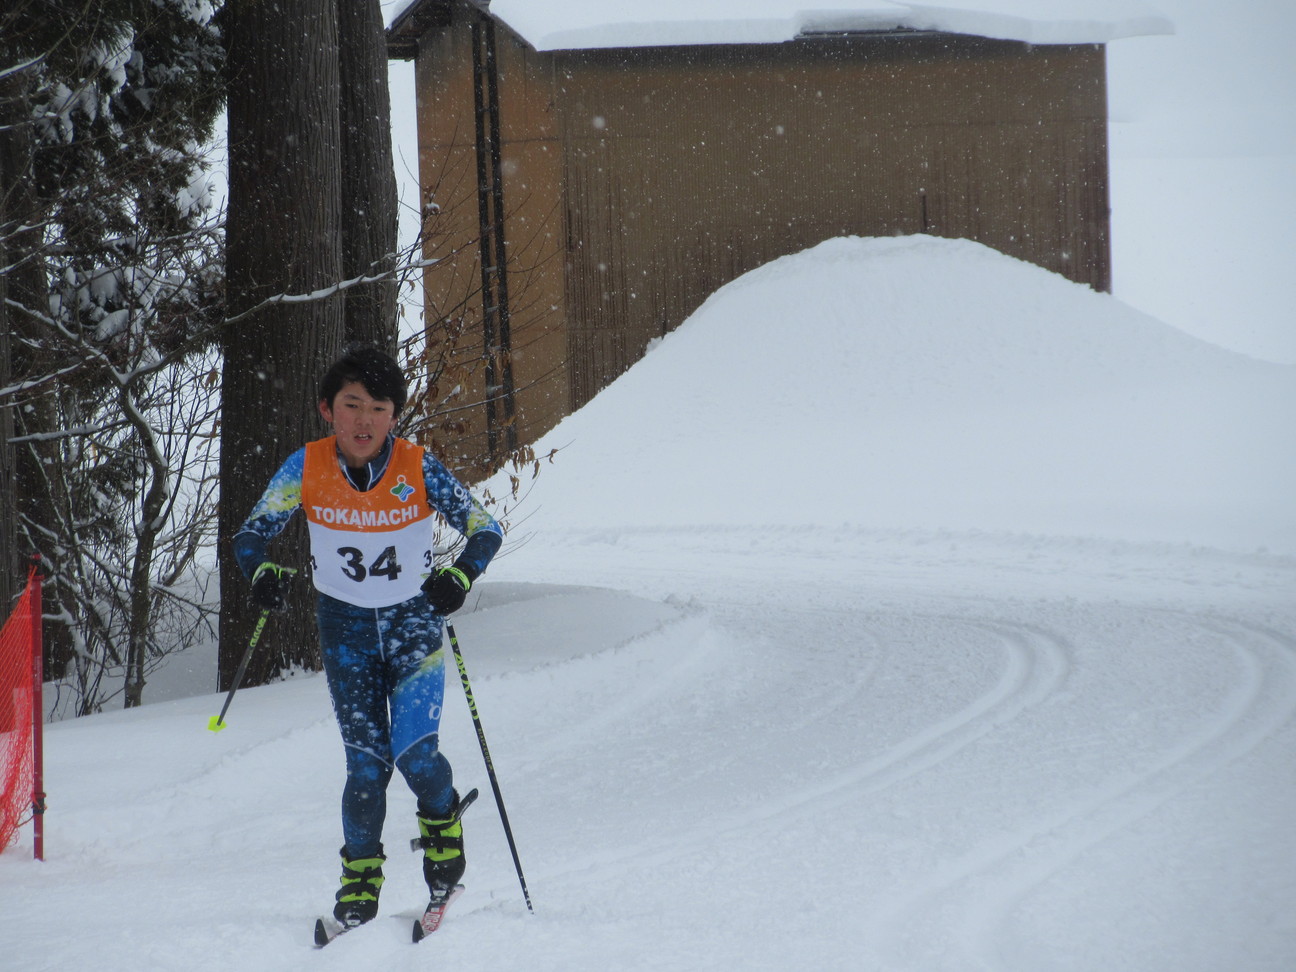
(877, 750)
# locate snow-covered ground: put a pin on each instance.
(894, 644)
(946, 621)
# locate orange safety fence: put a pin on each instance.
(21, 717)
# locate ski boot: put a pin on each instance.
(357, 899)
(441, 841)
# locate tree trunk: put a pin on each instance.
(282, 238)
(369, 217)
(25, 481)
(151, 520)
(13, 152)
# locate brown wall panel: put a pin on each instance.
(530, 164)
(685, 169)
(637, 182)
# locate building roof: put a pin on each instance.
(549, 25)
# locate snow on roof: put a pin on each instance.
(583, 24)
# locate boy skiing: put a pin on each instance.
(369, 500)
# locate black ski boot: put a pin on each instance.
(357, 899)
(441, 841)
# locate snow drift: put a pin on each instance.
(939, 384)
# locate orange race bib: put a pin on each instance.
(368, 548)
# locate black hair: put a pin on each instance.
(376, 370)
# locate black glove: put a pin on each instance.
(270, 586)
(446, 589)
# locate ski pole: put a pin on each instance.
(217, 723)
(490, 767)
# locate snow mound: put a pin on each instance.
(931, 383)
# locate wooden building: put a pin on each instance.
(594, 197)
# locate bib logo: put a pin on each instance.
(344, 517)
(402, 489)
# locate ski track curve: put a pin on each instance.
(1035, 664)
(981, 888)
(668, 670)
(1256, 707)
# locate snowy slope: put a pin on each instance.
(809, 681)
(1203, 146)
(935, 383)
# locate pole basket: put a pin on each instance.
(21, 718)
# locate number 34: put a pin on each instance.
(384, 564)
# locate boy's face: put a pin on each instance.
(360, 422)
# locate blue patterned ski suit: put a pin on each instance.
(384, 665)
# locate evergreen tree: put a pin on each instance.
(111, 279)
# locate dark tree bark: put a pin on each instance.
(15, 157)
(14, 160)
(283, 237)
(24, 480)
(369, 217)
